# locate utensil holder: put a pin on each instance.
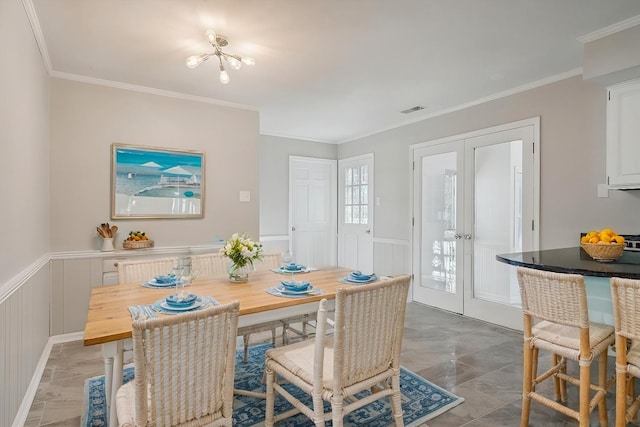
(107, 244)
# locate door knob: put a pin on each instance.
(293, 229)
(457, 236)
(467, 236)
(367, 231)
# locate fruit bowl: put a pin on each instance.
(604, 252)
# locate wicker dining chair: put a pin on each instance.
(184, 370)
(269, 261)
(625, 295)
(144, 269)
(559, 302)
(363, 354)
(214, 264)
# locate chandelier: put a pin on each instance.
(218, 41)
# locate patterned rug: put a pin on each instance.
(421, 400)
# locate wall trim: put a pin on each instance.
(19, 279)
(30, 393)
(401, 242)
(274, 238)
(133, 252)
(30, 10)
(611, 29)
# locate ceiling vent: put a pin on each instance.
(412, 109)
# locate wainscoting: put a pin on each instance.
(24, 332)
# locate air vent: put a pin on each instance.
(412, 110)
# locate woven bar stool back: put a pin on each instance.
(625, 294)
(210, 264)
(184, 368)
(558, 302)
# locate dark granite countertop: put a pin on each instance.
(576, 261)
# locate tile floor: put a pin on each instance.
(476, 360)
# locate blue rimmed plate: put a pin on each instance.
(285, 291)
(196, 304)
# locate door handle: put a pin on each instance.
(467, 236)
(368, 230)
(457, 236)
(293, 229)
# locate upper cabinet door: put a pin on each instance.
(623, 136)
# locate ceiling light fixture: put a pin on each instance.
(218, 41)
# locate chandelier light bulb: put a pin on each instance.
(247, 60)
(235, 64)
(211, 36)
(194, 60)
(224, 76)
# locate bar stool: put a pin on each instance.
(559, 302)
(625, 295)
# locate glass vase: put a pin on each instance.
(239, 273)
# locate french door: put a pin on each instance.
(475, 196)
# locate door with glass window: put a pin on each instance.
(474, 198)
(355, 216)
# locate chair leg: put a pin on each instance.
(273, 337)
(585, 382)
(270, 397)
(556, 379)
(337, 414)
(527, 383)
(602, 383)
(563, 382)
(621, 382)
(245, 340)
(396, 401)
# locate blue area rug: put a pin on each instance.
(421, 400)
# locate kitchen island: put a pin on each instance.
(576, 261)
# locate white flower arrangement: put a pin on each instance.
(242, 250)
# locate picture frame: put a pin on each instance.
(153, 182)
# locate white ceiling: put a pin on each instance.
(330, 70)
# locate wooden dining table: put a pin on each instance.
(109, 320)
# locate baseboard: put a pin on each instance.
(30, 393)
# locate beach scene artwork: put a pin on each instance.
(156, 183)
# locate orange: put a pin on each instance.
(618, 239)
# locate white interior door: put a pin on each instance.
(312, 210)
(355, 213)
(475, 196)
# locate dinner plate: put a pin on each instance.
(163, 304)
(284, 291)
(352, 280)
(295, 286)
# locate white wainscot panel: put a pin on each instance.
(391, 257)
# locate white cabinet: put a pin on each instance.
(623, 136)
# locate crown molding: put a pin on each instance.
(30, 10)
(150, 90)
(611, 29)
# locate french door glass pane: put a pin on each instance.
(438, 220)
(498, 219)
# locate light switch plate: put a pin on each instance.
(603, 190)
(245, 196)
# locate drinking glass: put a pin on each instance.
(178, 271)
(287, 259)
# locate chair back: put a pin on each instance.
(556, 297)
(268, 262)
(144, 269)
(369, 325)
(184, 366)
(625, 296)
(210, 264)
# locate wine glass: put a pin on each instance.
(287, 259)
(178, 272)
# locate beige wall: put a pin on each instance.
(572, 114)
(86, 119)
(24, 138)
(274, 178)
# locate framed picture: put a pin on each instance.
(150, 182)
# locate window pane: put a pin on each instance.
(347, 195)
(347, 177)
(356, 214)
(364, 194)
(356, 176)
(364, 175)
(364, 215)
(347, 214)
(356, 195)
